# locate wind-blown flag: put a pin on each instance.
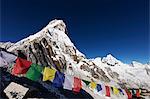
(99, 88)
(7, 57)
(34, 72)
(121, 91)
(68, 83)
(133, 92)
(107, 91)
(21, 66)
(15, 91)
(86, 82)
(115, 91)
(128, 94)
(138, 91)
(77, 84)
(59, 79)
(49, 74)
(93, 85)
(3, 62)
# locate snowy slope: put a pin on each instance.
(136, 75)
(106, 70)
(6, 45)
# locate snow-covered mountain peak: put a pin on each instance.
(57, 24)
(111, 60)
(135, 63)
(55, 28)
(110, 56)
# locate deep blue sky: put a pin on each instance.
(97, 27)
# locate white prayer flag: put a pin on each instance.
(3, 63)
(8, 57)
(15, 91)
(68, 83)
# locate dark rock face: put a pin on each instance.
(114, 75)
(96, 72)
(38, 90)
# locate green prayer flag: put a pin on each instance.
(34, 72)
(86, 82)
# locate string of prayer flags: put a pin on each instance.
(107, 91)
(68, 83)
(59, 79)
(93, 85)
(34, 72)
(49, 74)
(77, 84)
(99, 87)
(21, 66)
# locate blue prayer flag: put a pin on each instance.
(59, 79)
(121, 91)
(99, 88)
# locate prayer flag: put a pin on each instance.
(77, 84)
(115, 90)
(3, 62)
(107, 91)
(21, 66)
(15, 91)
(49, 74)
(59, 79)
(120, 90)
(93, 85)
(138, 91)
(99, 88)
(128, 94)
(68, 83)
(34, 72)
(8, 57)
(86, 82)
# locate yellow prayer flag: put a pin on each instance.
(93, 85)
(116, 91)
(49, 74)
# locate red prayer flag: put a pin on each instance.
(138, 93)
(128, 94)
(21, 66)
(107, 91)
(77, 84)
